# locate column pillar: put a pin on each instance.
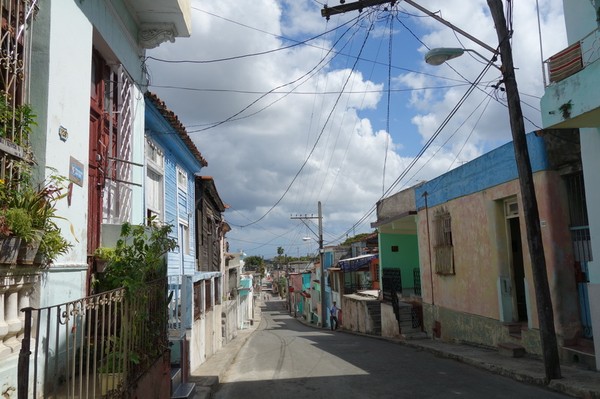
(4, 350)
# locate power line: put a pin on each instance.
(317, 141)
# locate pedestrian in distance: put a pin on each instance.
(333, 316)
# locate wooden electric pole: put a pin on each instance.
(322, 307)
(528, 197)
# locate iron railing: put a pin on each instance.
(417, 280)
(96, 346)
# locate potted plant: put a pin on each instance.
(102, 256)
(15, 226)
(45, 242)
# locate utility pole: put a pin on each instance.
(528, 197)
(322, 278)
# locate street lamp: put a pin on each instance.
(438, 56)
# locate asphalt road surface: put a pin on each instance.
(285, 359)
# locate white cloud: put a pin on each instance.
(254, 159)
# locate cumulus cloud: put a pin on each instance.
(268, 113)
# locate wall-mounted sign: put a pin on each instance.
(63, 133)
(11, 148)
(76, 170)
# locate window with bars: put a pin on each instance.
(444, 251)
(16, 116)
(118, 104)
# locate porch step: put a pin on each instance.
(511, 350)
(175, 378)
(184, 391)
(179, 389)
(514, 329)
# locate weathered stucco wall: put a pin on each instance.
(391, 206)
(472, 329)
(229, 315)
(356, 317)
(389, 323)
(205, 331)
(482, 255)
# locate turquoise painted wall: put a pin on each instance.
(406, 259)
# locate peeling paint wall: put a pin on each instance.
(469, 304)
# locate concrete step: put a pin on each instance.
(514, 329)
(511, 350)
(175, 378)
(580, 355)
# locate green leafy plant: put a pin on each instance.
(104, 253)
(52, 245)
(138, 256)
(114, 358)
(17, 222)
(16, 121)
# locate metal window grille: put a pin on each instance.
(444, 251)
(118, 191)
(15, 59)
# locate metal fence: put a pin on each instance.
(93, 347)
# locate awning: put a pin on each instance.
(353, 264)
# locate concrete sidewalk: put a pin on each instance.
(575, 382)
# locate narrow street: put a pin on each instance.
(286, 359)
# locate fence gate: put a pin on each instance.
(391, 279)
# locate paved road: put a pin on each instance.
(285, 359)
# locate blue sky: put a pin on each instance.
(283, 123)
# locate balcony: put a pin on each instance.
(570, 99)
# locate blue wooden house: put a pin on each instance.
(172, 163)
